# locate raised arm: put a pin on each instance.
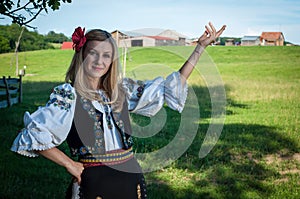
(209, 36)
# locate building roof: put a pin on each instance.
(127, 33)
(67, 45)
(148, 31)
(132, 34)
(160, 38)
(172, 33)
(168, 34)
(250, 38)
(271, 35)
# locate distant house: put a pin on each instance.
(67, 45)
(136, 41)
(164, 41)
(132, 39)
(272, 39)
(180, 38)
(121, 35)
(118, 35)
(147, 41)
(250, 41)
(229, 42)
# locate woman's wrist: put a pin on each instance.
(199, 43)
(199, 48)
(68, 163)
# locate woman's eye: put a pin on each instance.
(106, 55)
(92, 52)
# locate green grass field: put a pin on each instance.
(257, 155)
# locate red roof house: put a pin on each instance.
(67, 45)
(272, 39)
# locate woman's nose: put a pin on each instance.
(99, 60)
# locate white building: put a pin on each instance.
(164, 38)
(250, 41)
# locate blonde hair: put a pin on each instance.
(110, 82)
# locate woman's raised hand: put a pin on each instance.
(210, 35)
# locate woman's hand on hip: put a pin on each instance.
(75, 169)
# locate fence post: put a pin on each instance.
(7, 91)
(20, 89)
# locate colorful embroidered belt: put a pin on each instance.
(110, 158)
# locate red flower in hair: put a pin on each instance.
(78, 39)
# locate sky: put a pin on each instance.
(188, 17)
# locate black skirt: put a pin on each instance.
(112, 182)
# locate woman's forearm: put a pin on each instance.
(188, 66)
(57, 156)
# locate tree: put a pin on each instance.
(23, 12)
(30, 40)
(4, 45)
(53, 37)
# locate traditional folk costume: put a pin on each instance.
(98, 136)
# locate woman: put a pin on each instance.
(91, 112)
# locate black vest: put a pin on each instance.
(86, 136)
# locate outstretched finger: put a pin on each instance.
(209, 31)
(221, 31)
(212, 27)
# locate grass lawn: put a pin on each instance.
(256, 156)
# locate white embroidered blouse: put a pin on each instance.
(49, 125)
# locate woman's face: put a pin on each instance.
(98, 57)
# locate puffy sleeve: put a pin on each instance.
(48, 126)
(147, 97)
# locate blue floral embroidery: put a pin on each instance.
(61, 98)
(128, 141)
(99, 134)
(83, 150)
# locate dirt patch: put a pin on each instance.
(278, 158)
(292, 167)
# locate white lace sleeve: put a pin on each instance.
(48, 126)
(147, 98)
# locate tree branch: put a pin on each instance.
(20, 8)
(29, 8)
(34, 17)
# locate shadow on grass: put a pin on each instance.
(235, 168)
